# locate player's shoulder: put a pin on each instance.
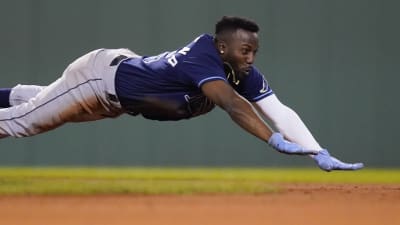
(202, 50)
(202, 42)
(254, 78)
(204, 38)
(255, 87)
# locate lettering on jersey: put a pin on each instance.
(155, 58)
(170, 56)
(184, 51)
(172, 60)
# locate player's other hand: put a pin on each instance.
(328, 163)
(281, 145)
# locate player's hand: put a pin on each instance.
(328, 163)
(281, 145)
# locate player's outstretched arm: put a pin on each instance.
(241, 112)
(286, 122)
(289, 123)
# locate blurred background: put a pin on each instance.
(336, 63)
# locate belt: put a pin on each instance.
(121, 54)
(117, 60)
(112, 97)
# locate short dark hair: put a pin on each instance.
(232, 23)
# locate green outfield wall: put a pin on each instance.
(336, 63)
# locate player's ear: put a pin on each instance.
(220, 43)
(221, 46)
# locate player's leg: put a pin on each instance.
(79, 95)
(18, 94)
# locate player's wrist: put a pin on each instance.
(274, 138)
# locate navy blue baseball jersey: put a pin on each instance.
(168, 86)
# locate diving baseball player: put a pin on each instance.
(188, 82)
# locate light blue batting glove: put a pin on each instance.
(281, 145)
(328, 163)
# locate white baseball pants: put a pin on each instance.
(84, 92)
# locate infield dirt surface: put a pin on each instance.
(307, 204)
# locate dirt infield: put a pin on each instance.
(297, 204)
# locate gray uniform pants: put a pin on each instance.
(84, 92)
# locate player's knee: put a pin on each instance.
(22, 93)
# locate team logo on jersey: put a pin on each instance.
(264, 88)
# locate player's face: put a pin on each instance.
(240, 51)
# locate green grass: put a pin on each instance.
(147, 181)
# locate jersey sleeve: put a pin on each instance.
(255, 87)
(202, 63)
